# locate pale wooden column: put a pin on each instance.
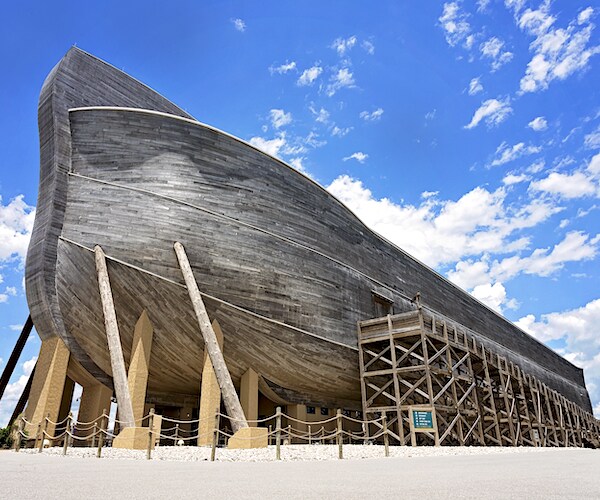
(48, 384)
(117, 361)
(249, 395)
(137, 375)
(210, 394)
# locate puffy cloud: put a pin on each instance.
(475, 86)
(454, 23)
(573, 185)
(283, 68)
(441, 232)
(558, 52)
(279, 118)
(342, 78)
(321, 115)
(269, 146)
(585, 15)
(493, 296)
(373, 116)
(492, 111)
(368, 47)
(16, 223)
(340, 131)
(511, 179)
(358, 156)
(13, 391)
(493, 50)
(239, 24)
(577, 328)
(342, 45)
(309, 75)
(505, 153)
(538, 124)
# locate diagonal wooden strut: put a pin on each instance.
(230, 397)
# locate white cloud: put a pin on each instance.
(454, 23)
(482, 5)
(430, 115)
(321, 115)
(441, 232)
(239, 24)
(342, 45)
(298, 164)
(269, 146)
(592, 140)
(511, 179)
(342, 78)
(16, 223)
(15, 328)
(577, 328)
(475, 86)
(505, 153)
(309, 75)
(493, 50)
(368, 46)
(283, 68)
(494, 296)
(13, 391)
(358, 156)
(538, 124)
(340, 131)
(373, 116)
(585, 15)
(492, 111)
(279, 118)
(573, 185)
(558, 52)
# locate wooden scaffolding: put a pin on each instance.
(421, 361)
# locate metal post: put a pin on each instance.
(150, 434)
(103, 427)
(67, 430)
(215, 435)
(386, 439)
(339, 434)
(278, 433)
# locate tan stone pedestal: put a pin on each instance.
(249, 437)
(132, 438)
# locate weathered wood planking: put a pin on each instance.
(279, 245)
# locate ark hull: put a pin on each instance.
(286, 268)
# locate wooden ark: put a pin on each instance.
(285, 268)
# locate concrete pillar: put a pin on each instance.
(48, 384)
(210, 394)
(137, 376)
(299, 413)
(94, 399)
(249, 395)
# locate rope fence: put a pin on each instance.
(99, 432)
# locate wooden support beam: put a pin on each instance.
(117, 362)
(230, 397)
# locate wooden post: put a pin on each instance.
(103, 427)
(42, 437)
(117, 362)
(270, 436)
(278, 433)
(94, 434)
(67, 430)
(150, 434)
(386, 439)
(19, 434)
(215, 436)
(309, 435)
(230, 397)
(37, 434)
(339, 434)
(176, 434)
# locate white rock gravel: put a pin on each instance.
(288, 453)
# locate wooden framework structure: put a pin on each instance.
(420, 358)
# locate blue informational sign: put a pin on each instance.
(422, 419)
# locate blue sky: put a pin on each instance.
(466, 132)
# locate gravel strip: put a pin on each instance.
(289, 453)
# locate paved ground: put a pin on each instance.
(555, 473)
